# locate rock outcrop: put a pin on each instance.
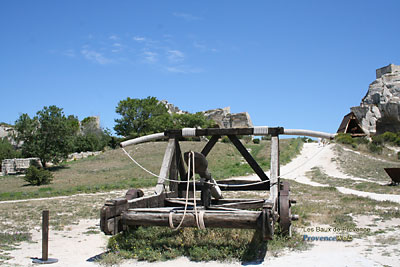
(379, 110)
(225, 119)
(172, 109)
(221, 116)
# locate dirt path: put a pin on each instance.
(75, 247)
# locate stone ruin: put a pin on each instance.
(16, 166)
(225, 119)
(221, 116)
(379, 110)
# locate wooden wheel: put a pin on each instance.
(285, 216)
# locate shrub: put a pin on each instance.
(225, 139)
(397, 141)
(361, 140)
(343, 138)
(36, 176)
(247, 138)
(256, 141)
(266, 137)
(389, 137)
(375, 147)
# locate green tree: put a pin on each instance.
(48, 135)
(191, 121)
(91, 136)
(140, 117)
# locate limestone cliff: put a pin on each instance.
(379, 110)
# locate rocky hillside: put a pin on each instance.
(379, 110)
(221, 116)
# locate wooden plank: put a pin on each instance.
(224, 131)
(275, 170)
(173, 174)
(179, 160)
(166, 164)
(212, 219)
(253, 164)
(249, 204)
(255, 187)
(210, 144)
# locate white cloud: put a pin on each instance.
(117, 47)
(113, 37)
(175, 56)
(203, 47)
(183, 69)
(150, 57)
(69, 53)
(95, 57)
(139, 39)
(186, 16)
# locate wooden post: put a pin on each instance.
(45, 235)
(275, 172)
(45, 241)
(166, 164)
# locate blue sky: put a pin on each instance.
(296, 64)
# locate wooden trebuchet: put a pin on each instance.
(167, 206)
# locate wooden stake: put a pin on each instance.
(45, 235)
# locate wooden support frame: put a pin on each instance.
(275, 169)
(250, 160)
(165, 167)
(210, 145)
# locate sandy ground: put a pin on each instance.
(73, 247)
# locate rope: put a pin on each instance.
(189, 132)
(260, 130)
(199, 217)
(223, 185)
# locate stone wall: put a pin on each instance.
(16, 166)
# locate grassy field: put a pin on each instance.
(365, 164)
(113, 169)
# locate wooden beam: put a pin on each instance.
(256, 187)
(173, 174)
(275, 169)
(250, 160)
(166, 164)
(224, 131)
(212, 219)
(210, 144)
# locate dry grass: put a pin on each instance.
(364, 164)
(317, 175)
(114, 170)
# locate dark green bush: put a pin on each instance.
(389, 137)
(36, 176)
(256, 141)
(361, 140)
(225, 139)
(343, 138)
(266, 137)
(375, 147)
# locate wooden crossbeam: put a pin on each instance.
(250, 160)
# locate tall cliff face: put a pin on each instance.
(379, 110)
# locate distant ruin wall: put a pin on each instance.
(225, 119)
(16, 166)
